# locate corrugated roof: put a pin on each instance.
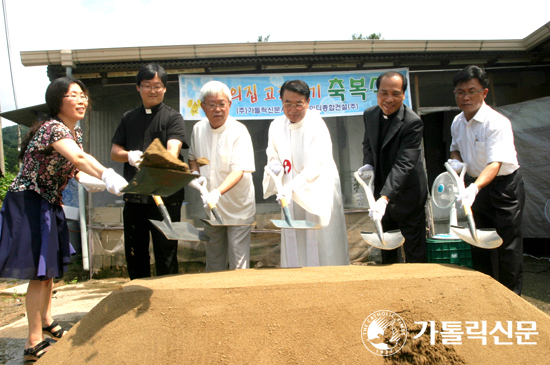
(272, 63)
(107, 63)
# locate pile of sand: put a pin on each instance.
(157, 156)
(160, 173)
(291, 316)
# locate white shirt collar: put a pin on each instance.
(221, 128)
(481, 115)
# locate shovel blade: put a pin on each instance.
(283, 224)
(487, 237)
(228, 222)
(217, 216)
(157, 181)
(392, 239)
(182, 231)
(379, 231)
(472, 227)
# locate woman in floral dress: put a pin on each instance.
(34, 238)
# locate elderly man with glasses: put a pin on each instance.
(299, 152)
(226, 143)
(137, 129)
(484, 140)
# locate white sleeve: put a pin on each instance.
(242, 156)
(454, 135)
(268, 184)
(192, 145)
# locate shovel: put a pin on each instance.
(483, 238)
(176, 231)
(218, 220)
(287, 223)
(159, 173)
(157, 181)
(384, 241)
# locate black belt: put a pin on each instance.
(497, 178)
(502, 177)
(147, 199)
(139, 199)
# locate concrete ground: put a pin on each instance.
(69, 304)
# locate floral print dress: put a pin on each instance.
(34, 237)
(45, 170)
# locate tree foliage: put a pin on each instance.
(355, 36)
(5, 183)
(263, 39)
(10, 140)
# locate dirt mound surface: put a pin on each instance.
(305, 315)
(157, 156)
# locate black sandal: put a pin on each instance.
(36, 352)
(55, 335)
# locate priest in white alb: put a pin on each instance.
(300, 149)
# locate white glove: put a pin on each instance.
(134, 158)
(205, 200)
(468, 196)
(90, 183)
(275, 166)
(114, 182)
(286, 193)
(456, 165)
(378, 210)
(366, 172)
(196, 183)
(213, 198)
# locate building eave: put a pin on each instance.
(269, 49)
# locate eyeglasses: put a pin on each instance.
(213, 106)
(470, 93)
(298, 106)
(75, 97)
(151, 87)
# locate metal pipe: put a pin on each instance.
(82, 210)
(83, 228)
(9, 51)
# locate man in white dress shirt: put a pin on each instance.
(226, 143)
(484, 140)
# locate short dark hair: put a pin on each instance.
(471, 72)
(392, 74)
(297, 86)
(149, 71)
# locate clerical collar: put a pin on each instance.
(152, 110)
(391, 116)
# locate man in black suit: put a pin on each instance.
(392, 156)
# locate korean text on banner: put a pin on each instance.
(257, 96)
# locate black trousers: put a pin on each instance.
(500, 205)
(413, 229)
(136, 240)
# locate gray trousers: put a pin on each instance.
(231, 243)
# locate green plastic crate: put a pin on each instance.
(449, 251)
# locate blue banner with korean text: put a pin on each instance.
(334, 94)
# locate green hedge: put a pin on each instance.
(5, 183)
